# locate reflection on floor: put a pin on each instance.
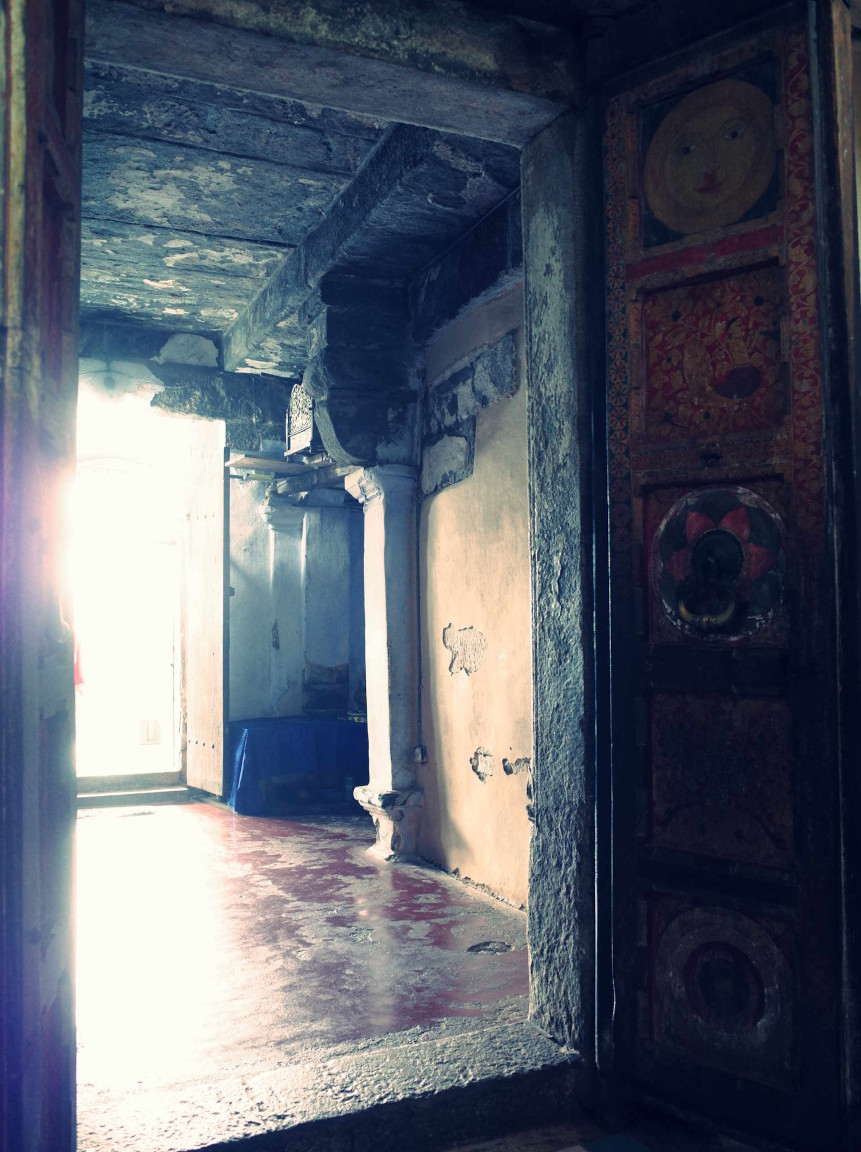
(230, 968)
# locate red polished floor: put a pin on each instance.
(210, 943)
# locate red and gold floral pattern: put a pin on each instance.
(657, 427)
(713, 358)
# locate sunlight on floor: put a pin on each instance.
(151, 929)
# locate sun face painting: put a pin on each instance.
(712, 157)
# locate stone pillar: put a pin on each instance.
(561, 182)
(287, 608)
(391, 659)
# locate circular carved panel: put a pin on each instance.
(724, 988)
(712, 157)
(719, 563)
(722, 991)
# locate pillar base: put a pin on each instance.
(396, 819)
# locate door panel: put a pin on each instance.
(205, 617)
(40, 123)
(726, 944)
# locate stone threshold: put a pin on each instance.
(417, 1091)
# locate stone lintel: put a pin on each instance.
(443, 66)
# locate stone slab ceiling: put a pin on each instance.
(232, 164)
(193, 192)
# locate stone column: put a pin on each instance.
(391, 664)
(287, 607)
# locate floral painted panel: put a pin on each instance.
(713, 358)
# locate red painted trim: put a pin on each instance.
(701, 256)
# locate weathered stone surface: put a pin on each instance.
(149, 182)
(450, 39)
(490, 374)
(169, 278)
(444, 67)
(467, 646)
(361, 425)
(407, 1091)
(417, 192)
(448, 458)
(483, 262)
(253, 408)
(133, 102)
(556, 243)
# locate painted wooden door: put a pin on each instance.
(726, 932)
(205, 613)
(40, 133)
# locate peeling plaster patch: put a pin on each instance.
(516, 767)
(165, 284)
(481, 762)
(184, 348)
(448, 460)
(228, 314)
(467, 646)
(172, 261)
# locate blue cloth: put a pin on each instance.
(328, 751)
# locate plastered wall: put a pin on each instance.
(250, 612)
(296, 608)
(475, 622)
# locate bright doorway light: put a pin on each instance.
(126, 532)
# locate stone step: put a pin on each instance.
(177, 794)
(406, 1091)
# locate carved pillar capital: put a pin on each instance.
(396, 817)
(393, 484)
(283, 517)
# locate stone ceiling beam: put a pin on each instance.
(132, 102)
(416, 193)
(301, 271)
(442, 66)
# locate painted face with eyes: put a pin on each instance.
(712, 157)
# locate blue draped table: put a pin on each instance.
(317, 757)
